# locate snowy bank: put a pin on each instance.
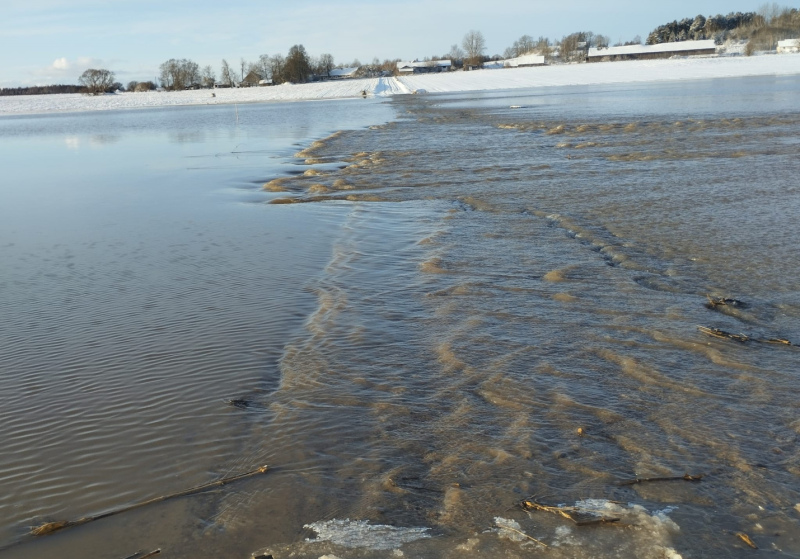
(483, 80)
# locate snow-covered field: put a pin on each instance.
(555, 75)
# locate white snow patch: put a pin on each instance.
(360, 533)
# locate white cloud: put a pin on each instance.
(61, 64)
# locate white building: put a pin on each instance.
(417, 67)
(523, 61)
(789, 45)
(342, 73)
(645, 52)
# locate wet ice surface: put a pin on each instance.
(362, 534)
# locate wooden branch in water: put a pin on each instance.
(746, 539)
(684, 477)
(138, 554)
(51, 527)
(722, 334)
(574, 514)
(717, 333)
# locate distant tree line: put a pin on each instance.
(716, 27)
(41, 89)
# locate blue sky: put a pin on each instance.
(53, 41)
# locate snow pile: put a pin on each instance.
(509, 78)
(360, 533)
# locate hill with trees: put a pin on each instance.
(762, 29)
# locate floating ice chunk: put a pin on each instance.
(509, 529)
(360, 533)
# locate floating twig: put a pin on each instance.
(50, 527)
(717, 333)
(746, 539)
(521, 533)
(151, 554)
(783, 341)
(684, 477)
(579, 517)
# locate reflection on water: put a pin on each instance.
(508, 311)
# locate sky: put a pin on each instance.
(54, 41)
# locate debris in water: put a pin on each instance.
(575, 514)
(581, 432)
(138, 554)
(746, 539)
(50, 527)
(240, 403)
(783, 341)
(684, 477)
(505, 525)
(714, 302)
(717, 333)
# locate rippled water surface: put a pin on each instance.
(490, 299)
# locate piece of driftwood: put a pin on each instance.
(138, 554)
(722, 334)
(746, 539)
(580, 518)
(714, 302)
(50, 527)
(717, 333)
(684, 477)
(783, 341)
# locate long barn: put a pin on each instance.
(647, 52)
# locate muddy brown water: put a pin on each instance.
(496, 304)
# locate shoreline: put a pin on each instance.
(666, 70)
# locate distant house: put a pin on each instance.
(263, 83)
(648, 52)
(523, 61)
(788, 45)
(253, 79)
(424, 67)
(342, 73)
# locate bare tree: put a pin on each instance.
(543, 46)
(225, 74)
(456, 55)
(208, 78)
(264, 66)
(474, 46)
(523, 45)
(179, 74)
(96, 81)
(277, 64)
(242, 67)
(326, 64)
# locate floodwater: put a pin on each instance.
(456, 304)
